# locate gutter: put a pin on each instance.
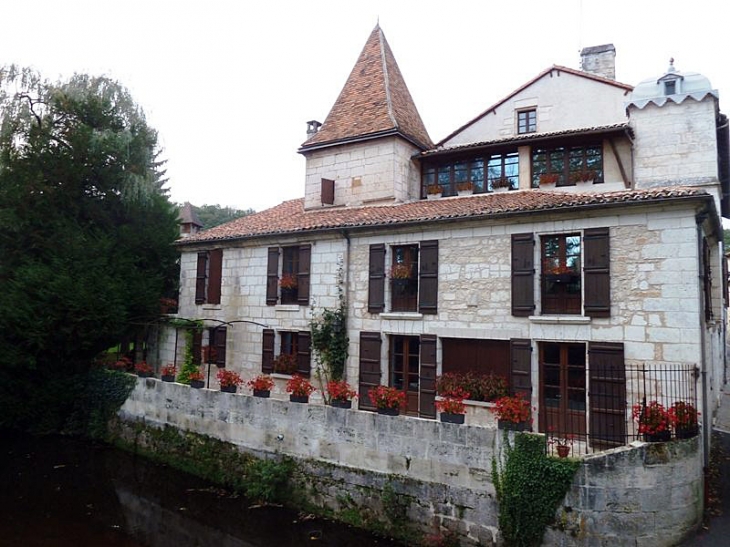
(706, 416)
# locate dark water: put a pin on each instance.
(68, 493)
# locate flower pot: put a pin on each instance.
(686, 432)
(563, 451)
(499, 189)
(144, 374)
(229, 389)
(433, 196)
(263, 393)
(197, 384)
(389, 411)
(337, 403)
(660, 437)
(513, 426)
(449, 418)
(298, 398)
(465, 192)
(168, 377)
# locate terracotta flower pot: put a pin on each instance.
(563, 451)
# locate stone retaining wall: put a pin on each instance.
(441, 473)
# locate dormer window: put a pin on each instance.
(670, 87)
(527, 121)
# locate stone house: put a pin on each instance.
(585, 265)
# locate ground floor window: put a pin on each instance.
(563, 389)
(405, 368)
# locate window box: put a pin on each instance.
(449, 418)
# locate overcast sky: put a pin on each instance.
(229, 85)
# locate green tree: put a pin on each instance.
(215, 215)
(85, 228)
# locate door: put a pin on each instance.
(563, 389)
(404, 369)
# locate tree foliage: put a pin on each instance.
(85, 223)
(215, 215)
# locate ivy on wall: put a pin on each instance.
(329, 336)
(529, 487)
(188, 367)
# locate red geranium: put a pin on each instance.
(339, 390)
(228, 378)
(387, 397)
(299, 386)
(515, 409)
(262, 382)
(453, 402)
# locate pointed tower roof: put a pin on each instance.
(188, 215)
(374, 102)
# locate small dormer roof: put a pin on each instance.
(374, 102)
(673, 85)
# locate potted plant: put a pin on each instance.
(261, 385)
(561, 273)
(451, 406)
(549, 179)
(480, 386)
(465, 188)
(229, 380)
(684, 420)
(299, 389)
(196, 379)
(143, 370)
(434, 191)
(285, 363)
(288, 282)
(513, 412)
(501, 184)
(168, 373)
(387, 400)
(340, 393)
(653, 420)
(562, 444)
(586, 177)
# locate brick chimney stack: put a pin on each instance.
(599, 60)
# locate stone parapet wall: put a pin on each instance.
(646, 494)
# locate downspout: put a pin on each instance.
(706, 418)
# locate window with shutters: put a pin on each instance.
(287, 275)
(561, 274)
(563, 389)
(403, 278)
(294, 354)
(208, 277)
(215, 352)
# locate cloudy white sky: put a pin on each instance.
(229, 85)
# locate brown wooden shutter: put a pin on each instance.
(427, 379)
(328, 192)
(428, 277)
(370, 345)
(607, 394)
(520, 369)
(523, 275)
(596, 271)
(267, 351)
(272, 277)
(201, 276)
(218, 344)
(214, 276)
(376, 285)
(304, 357)
(305, 258)
(197, 346)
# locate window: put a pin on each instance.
(295, 344)
(412, 275)
(480, 173)
(563, 389)
(404, 368)
(670, 87)
(527, 121)
(561, 274)
(216, 350)
(567, 165)
(291, 284)
(570, 276)
(208, 277)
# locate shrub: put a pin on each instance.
(479, 386)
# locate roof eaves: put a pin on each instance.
(395, 131)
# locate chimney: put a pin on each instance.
(599, 60)
(312, 128)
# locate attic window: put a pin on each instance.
(670, 87)
(527, 121)
(328, 192)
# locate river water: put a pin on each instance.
(61, 492)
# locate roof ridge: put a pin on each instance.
(388, 99)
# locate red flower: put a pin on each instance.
(453, 402)
(515, 409)
(142, 367)
(262, 382)
(228, 378)
(339, 390)
(288, 281)
(387, 397)
(169, 370)
(197, 375)
(299, 386)
(652, 418)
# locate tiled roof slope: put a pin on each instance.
(290, 216)
(187, 215)
(375, 99)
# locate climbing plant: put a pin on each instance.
(329, 336)
(188, 366)
(529, 487)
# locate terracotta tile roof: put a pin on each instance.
(291, 218)
(531, 137)
(627, 88)
(374, 101)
